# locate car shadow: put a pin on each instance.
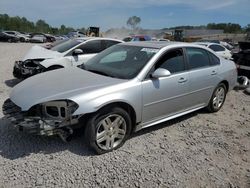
(15, 144)
(12, 82)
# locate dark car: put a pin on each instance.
(242, 59)
(137, 38)
(6, 37)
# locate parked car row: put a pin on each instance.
(218, 48)
(15, 36)
(112, 88)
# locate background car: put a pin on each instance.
(48, 37)
(22, 37)
(137, 38)
(38, 39)
(7, 37)
(129, 86)
(218, 49)
(242, 59)
(53, 44)
(69, 53)
(75, 34)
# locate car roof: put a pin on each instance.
(207, 43)
(82, 39)
(153, 44)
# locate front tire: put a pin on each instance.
(108, 129)
(218, 98)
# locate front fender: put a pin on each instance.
(131, 96)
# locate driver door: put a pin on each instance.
(90, 49)
(166, 96)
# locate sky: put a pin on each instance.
(154, 14)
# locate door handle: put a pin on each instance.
(213, 72)
(182, 80)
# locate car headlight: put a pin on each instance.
(61, 109)
(33, 63)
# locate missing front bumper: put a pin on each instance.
(22, 71)
(35, 124)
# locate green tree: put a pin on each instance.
(247, 28)
(42, 26)
(227, 27)
(133, 21)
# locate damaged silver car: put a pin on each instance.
(125, 88)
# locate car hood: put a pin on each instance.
(38, 52)
(59, 84)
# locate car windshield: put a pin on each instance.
(65, 46)
(120, 61)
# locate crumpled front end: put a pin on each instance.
(27, 68)
(50, 118)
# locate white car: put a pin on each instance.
(38, 39)
(72, 52)
(218, 49)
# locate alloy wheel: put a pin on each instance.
(111, 131)
(219, 97)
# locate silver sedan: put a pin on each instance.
(125, 88)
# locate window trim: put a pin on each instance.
(148, 75)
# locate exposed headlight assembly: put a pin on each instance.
(61, 109)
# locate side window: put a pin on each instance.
(197, 58)
(172, 61)
(91, 47)
(213, 59)
(108, 43)
(217, 48)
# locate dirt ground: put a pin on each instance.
(197, 150)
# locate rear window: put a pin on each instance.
(217, 48)
(91, 47)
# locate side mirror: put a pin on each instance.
(77, 51)
(160, 72)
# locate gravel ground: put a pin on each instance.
(197, 150)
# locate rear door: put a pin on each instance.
(203, 76)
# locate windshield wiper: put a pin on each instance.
(99, 72)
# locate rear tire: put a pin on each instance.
(22, 40)
(218, 98)
(108, 129)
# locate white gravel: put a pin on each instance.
(197, 150)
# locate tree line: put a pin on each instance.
(22, 24)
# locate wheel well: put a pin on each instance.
(125, 106)
(226, 84)
(55, 67)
